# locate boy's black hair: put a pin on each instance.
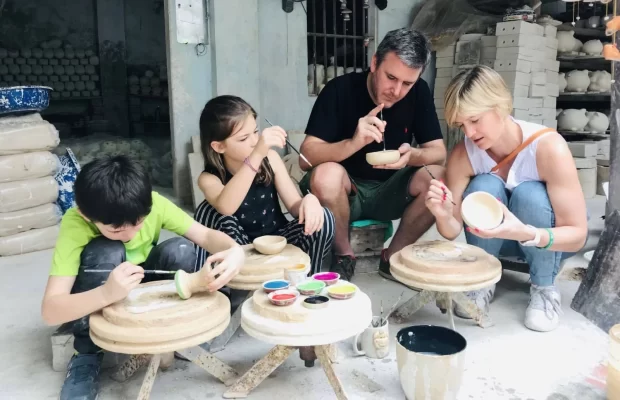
(113, 191)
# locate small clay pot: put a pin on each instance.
(382, 157)
(328, 277)
(316, 302)
(269, 244)
(311, 287)
(481, 210)
(283, 297)
(342, 292)
(275, 284)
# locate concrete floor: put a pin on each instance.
(506, 361)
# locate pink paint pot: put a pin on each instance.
(283, 297)
(328, 277)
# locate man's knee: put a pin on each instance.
(102, 250)
(179, 252)
(486, 183)
(328, 180)
(421, 180)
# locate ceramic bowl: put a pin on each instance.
(283, 297)
(311, 287)
(275, 284)
(482, 210)
(342, 292)
(382, 157)
(328, 277)
(316, 302)
(269, 244)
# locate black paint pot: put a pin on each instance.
(431, 361)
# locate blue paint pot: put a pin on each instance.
(431, 361)
(276, 284)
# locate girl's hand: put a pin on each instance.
(311, 213)
(439, 200)
(230, 263)
(273, 136)
(511, 229)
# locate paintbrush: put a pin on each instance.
(383, 132)
(391, 309)
(432, 176)
(293, 147)
(146, 271)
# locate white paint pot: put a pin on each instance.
(431, 360)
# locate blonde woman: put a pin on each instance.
(531, 172)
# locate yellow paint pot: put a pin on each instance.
(342, 292)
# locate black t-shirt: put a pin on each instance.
(345, 99)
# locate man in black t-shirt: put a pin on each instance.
(358, 113)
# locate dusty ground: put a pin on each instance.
(506, 361)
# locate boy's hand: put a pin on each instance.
(230, 263)
(311, 214)
(121, 281)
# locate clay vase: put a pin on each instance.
(572, 120)
(566, 41)
(577, 81)
(600, 81)
(562, 81)
(431, 360)
(593, 47)
(578, 45)
(597, 122)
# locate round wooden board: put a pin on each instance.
(259, 267)
(296, 312)
(161, 347)
(340, 320)
(445, 266)
(183, 311)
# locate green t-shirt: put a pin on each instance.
(76, 233)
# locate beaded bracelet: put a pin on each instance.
(550, 239)
(247, 162)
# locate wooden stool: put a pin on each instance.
(153, 322)
(258, 268)
(294, 327)
(444, 270)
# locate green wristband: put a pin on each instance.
(550, 239)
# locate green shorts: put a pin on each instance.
(381, 201)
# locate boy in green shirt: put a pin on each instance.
(116, 226)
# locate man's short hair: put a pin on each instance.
(113, 191)
(411, 46)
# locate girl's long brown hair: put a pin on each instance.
(217, 122)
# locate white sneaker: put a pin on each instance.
(482, 298)
(543, 312)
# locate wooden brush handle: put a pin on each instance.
(188, 284)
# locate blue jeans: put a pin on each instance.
(530, 203)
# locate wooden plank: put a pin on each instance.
(113, 62)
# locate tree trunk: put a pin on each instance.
(598, 296)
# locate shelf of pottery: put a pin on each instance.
(71, 72)
(317, 81)
(148, 100)
(525, 56)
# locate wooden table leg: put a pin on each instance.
(219, 343)
(483, 320)
(322, 352)
(261, 370)
(130, 366)
(149, 378)
(418, 301)
(210, 363)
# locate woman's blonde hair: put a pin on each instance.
(475, 91)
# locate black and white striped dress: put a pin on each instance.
(260, 214)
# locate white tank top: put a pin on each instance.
(524, 167)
